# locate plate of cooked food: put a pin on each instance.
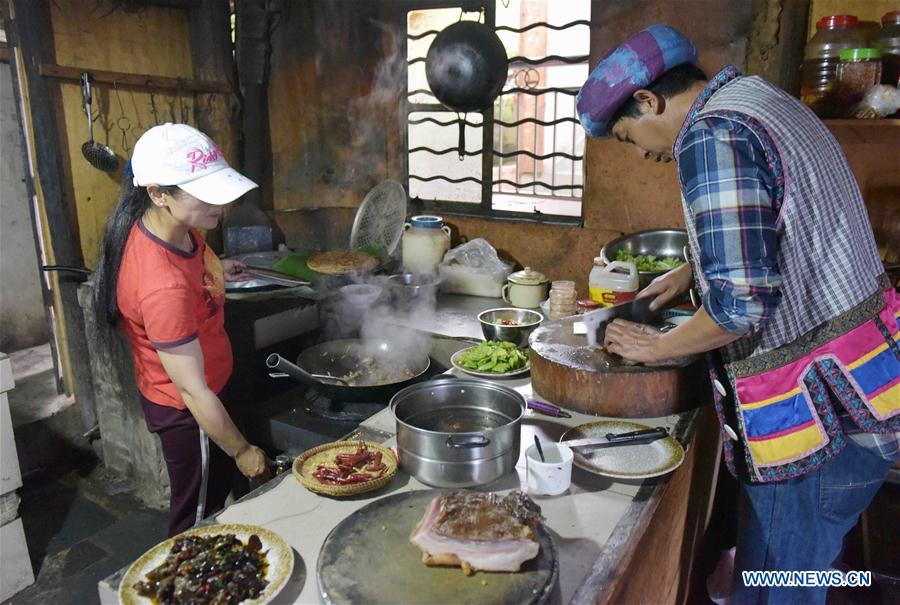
(229, 563)
(492, 360)
(345, 468)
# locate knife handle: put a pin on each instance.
(546, 408)
(644, 434)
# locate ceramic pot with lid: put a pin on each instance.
(526, 289)
(425, 241)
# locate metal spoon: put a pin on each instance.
(537, 444)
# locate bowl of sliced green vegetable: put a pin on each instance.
(492, 359)
(654, 252)
(509, 324)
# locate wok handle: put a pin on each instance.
(462, 139)
(468, 444)
(277, 362)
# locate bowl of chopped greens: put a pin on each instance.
(509, 324)
(654, 252)
(492, 359)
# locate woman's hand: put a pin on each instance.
(632, 341)
(668, 287)
(253, 463)
(235, 270)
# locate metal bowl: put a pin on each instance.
(658, 242)
(408, 288)
(526, 321)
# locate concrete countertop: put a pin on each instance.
(591, 523)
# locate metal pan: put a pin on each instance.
(364, 369)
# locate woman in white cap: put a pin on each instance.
(165, 285)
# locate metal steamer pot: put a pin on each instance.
(456, 433)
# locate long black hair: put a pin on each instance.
(132, 204)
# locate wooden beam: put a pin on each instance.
(137, 81)
(28, 27)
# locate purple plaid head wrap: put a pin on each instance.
(633, 65)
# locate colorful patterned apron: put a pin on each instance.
(783, 402)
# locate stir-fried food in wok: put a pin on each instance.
(218, 569)
(370, 373)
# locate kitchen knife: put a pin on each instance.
(614, 439)
(637, 310)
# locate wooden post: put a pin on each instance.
(775, 47)
(28, 29)
(212, 58)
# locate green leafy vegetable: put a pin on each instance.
(649, 262)
(495, 357)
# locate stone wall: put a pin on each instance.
(128, 447)
(22, 316)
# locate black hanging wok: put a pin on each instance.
(466, 68)
(354, 370)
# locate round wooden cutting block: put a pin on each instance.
(569, 373)
(368, 558)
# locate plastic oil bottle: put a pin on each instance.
(614, 283)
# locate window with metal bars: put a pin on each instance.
(533, 167)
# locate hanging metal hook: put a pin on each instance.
(123, 123)
(153, 109)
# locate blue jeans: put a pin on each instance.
(800, 524)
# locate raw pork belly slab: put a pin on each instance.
(478, 531)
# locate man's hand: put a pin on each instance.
(632, 341)
(253, 463)
(668, 287)
(234, 270)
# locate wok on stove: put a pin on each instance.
(362, 369)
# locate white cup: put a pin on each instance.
(552, 477)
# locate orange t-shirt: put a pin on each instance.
(169, 297)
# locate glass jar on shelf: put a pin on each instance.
(858, 71)
(821, 58)
(889, 44)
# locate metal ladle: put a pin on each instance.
(98, 155)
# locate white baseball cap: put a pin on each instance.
(177, 154)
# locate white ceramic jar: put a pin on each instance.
(425, 241)
(526, 289)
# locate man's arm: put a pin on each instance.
(728, 188)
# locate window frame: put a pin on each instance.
(483, 209)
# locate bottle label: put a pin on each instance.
(608, 298)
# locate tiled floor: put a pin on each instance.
(81, 525)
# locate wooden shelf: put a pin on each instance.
(879, 132)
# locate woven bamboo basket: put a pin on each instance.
(306, 463)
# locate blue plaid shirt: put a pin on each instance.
(733, 193)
